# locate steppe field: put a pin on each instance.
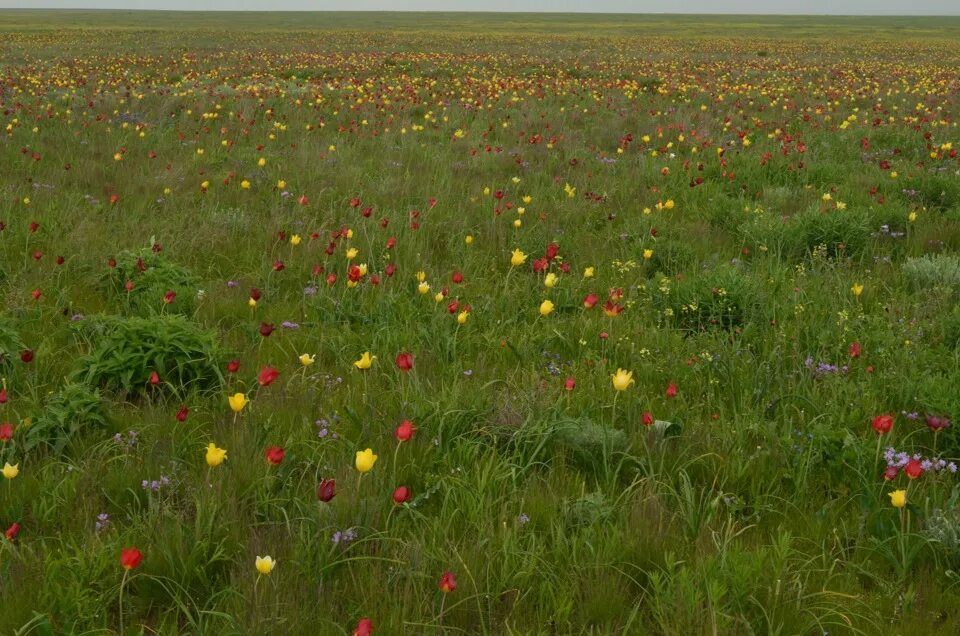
(478, 324)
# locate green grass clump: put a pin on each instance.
(150, 276)
(127, 351)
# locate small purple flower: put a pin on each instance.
(103, 520)
(310, 290)
(286, 324)
(523, 519)
(232, 284)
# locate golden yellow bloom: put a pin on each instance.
(11, 471)
(857, 289)
(262, 162)
(588, 272)
(421, 276)
(252, 302)
(517, 223)
(423, 288)
(295, 239)
(622, 379)
(215, 456)
(365, 460)
(546, 308)
(912, 217)
(245, 184)
(550, 280)
(352, 253)
(647, 254)
(281, 184)
(237, 402)
(365, 361)
(898, 498)
(462, 317)
(306, 359)
(517, 258)
(265, 564)
(468, 239)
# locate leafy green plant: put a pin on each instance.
(10, 342)
(721, 299)
(150, 276)
(129, 350)
(837, 233)
(75, 409)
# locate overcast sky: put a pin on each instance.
(820, 7)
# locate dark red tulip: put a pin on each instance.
(390, 270)
(278, 266)
(882, 424)
(154, 378)
(274, 455)
(448, 582)
(233, 366)
(4, 396)
(128, 285)
(6, 432)
(327, 490)
(671, 390)
(26, 356)
(854, 349)
(391, 242)
(647, 418)
(33, 227)
(405, 431)
(404, 361)
(891, 473)
(130, 558)
(364, 627)
(182, 414)
(12, 531)
(266, 329)
(552, 250)
(267, 376)
(401, 495)
(255, 293)
(169, 297)
(457, 278)
(937, 423)
(60, 260)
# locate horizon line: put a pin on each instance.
(469, 11)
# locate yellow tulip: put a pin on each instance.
(251, 302)
(898, 498)
(588, 272)
(462, 317)
(857, 289)
(365, 361)
(265, 564)
(518, 258)
(237, 402)
(550, 280)
(546, 308)
(295, 240)
(468, 240)
(647, 254)
(352, 253)
(11, 471)
(622, 379)
(365, 460)
(306, 359)
(262, 162)
(421, 276)
(245, 184)
(215, 456)
(423, 288)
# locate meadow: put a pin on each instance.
(444, 324)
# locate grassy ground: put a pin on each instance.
(756, 217)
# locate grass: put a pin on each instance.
(719, 185)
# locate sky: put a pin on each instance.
(815, 7)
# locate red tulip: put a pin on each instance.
(278, 266)
(128, 285)
(854, 349)
(937, 423)
(364, 628)
(327, 490)
(671, 390)
(405, 431)
(448, 582)
(130, 558)
(404, 361)
(169, 297)
(274, 455)
(233, 366)
(36, 294)
(60, 260)
(266, 329)
(267, 376)
(590, 301)
(882, 424)
(570, 384)
(552, 250)
(647, 418)
(254, 293)
(890, 473)
(303, 200)
(33, 227)
(3, 396)
(913, 469)
(154, 378)
(457, 278)
(12, 531)
(6, 432)
(26, 356)
(401, 495)
(391, 242)
(182, 414)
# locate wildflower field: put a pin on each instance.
(445, 324)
